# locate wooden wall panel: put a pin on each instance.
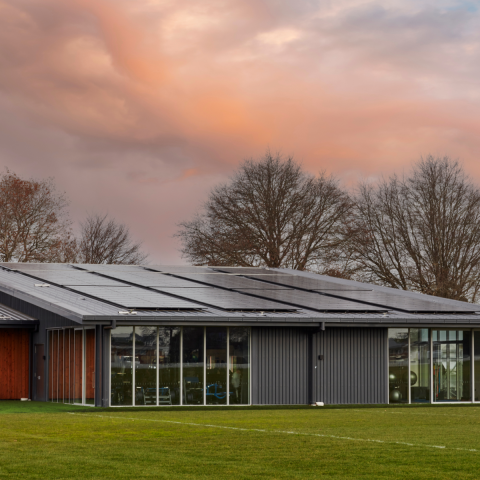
(14, 357)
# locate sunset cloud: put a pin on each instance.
(139, 108)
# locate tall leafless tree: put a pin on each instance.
(273, 214)
(421, 231)
(104, 240)
(33, 219)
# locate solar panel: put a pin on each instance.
(93, 267)
(227, 300)
(313, 284)
(315, 301)
(409, 304)
(35, 267)
(230, 281)
(180, 269)
(153, 279)
(134, 297)
(73, 277)
(246, 270)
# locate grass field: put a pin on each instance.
(48, 441)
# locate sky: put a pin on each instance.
(138, 108)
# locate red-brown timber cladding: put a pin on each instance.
(14, 350)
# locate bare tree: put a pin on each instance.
(271, 213)
(33, 219)
(103, 240)
(421, 231)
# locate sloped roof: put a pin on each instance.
(176, 294)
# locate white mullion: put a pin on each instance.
(134, 391)
(204, 365)
(249, 365)
(158, 378)
(228, 366)
(63, 369)
(84, 367)
(472, 371)
(431, 364)
(181, 366)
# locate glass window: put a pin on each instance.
(477, 365)
(66, 379)
(193, 355)
(398, 365)
(78, 367)
(72, 364)
(216, 366)
(51, 379)
(121, 365)
(145, 365)
(419, 365)
(239, 367)
(169, 365)
(90, 366)
(61, 372)
(451, 365)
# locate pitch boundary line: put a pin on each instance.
(368, 440)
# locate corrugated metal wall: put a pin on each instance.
(353, 369)
(279, 366)
(354, 366)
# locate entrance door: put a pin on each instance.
(39, 372)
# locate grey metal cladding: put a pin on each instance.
(153, 279)
(10, 314)
(227, 280)
(314, 300)
(226, 299)
(354, 366)
(279, 366)
(295, 281)
(419, 304)
(135, 297)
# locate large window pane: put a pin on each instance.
(72, 365)
(239, 368)
(169, 365)
(67, 375)
(90, 367)
(145, 365)
(451, 365)
(216, 365)
(61, 372)
(51, 379)
(477, 366)
(121, 365)
(78, 367)
(193, 355)
(398, 365)
(419, 365)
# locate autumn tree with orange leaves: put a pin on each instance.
(34, 223)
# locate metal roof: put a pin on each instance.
(10, 317)
(190, 295)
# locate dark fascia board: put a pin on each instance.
(377, 288)
(18, 323)
(51, 307)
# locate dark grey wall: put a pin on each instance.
(279, 366)
(353, 369)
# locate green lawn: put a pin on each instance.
(44, 441)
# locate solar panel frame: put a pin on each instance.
(136, 297)
(154, 279)
(232, 282)
(316, 301)
(228, 300)
(74, 277)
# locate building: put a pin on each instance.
(107, 335)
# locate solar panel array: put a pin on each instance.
(227, 288)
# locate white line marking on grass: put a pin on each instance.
(273, 431)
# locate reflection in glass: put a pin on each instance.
(239, 367)
(60, 365)
(78, 367)
(477, 365)
(50, 365)
(419, 365)
(451, 365)
(67, 380)
(398, 365)
(90, 366)
(72, 365)
(169, 365)
(193, 355)
(145, 365)
(121, 365)
(216, 365)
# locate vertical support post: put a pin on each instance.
(409, 367)
(134, 390)
(228, 365)
(158, 364)
(432, 383)
(181, 366)
(204, 365)
(472, 367)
